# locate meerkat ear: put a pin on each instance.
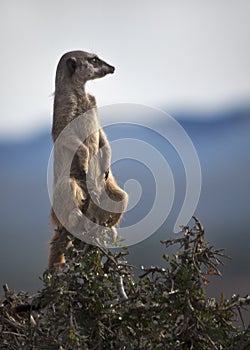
(71, 64)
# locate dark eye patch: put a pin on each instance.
(94, 60)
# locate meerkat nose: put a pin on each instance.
(112, 69)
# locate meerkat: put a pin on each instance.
(82, 156)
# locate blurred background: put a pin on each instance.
(190, 59)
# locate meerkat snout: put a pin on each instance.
(107, 69)
(112, 69)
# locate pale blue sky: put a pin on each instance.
(171, 54)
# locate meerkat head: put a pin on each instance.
(78, 67)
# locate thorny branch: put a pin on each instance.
(95, 303)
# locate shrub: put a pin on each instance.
(95, 303)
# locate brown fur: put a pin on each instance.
(90, 178)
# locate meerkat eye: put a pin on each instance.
(94, 60)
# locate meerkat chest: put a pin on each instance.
(90, 130)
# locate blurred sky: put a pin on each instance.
(170, 54)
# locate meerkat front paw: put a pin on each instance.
(75, 217)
